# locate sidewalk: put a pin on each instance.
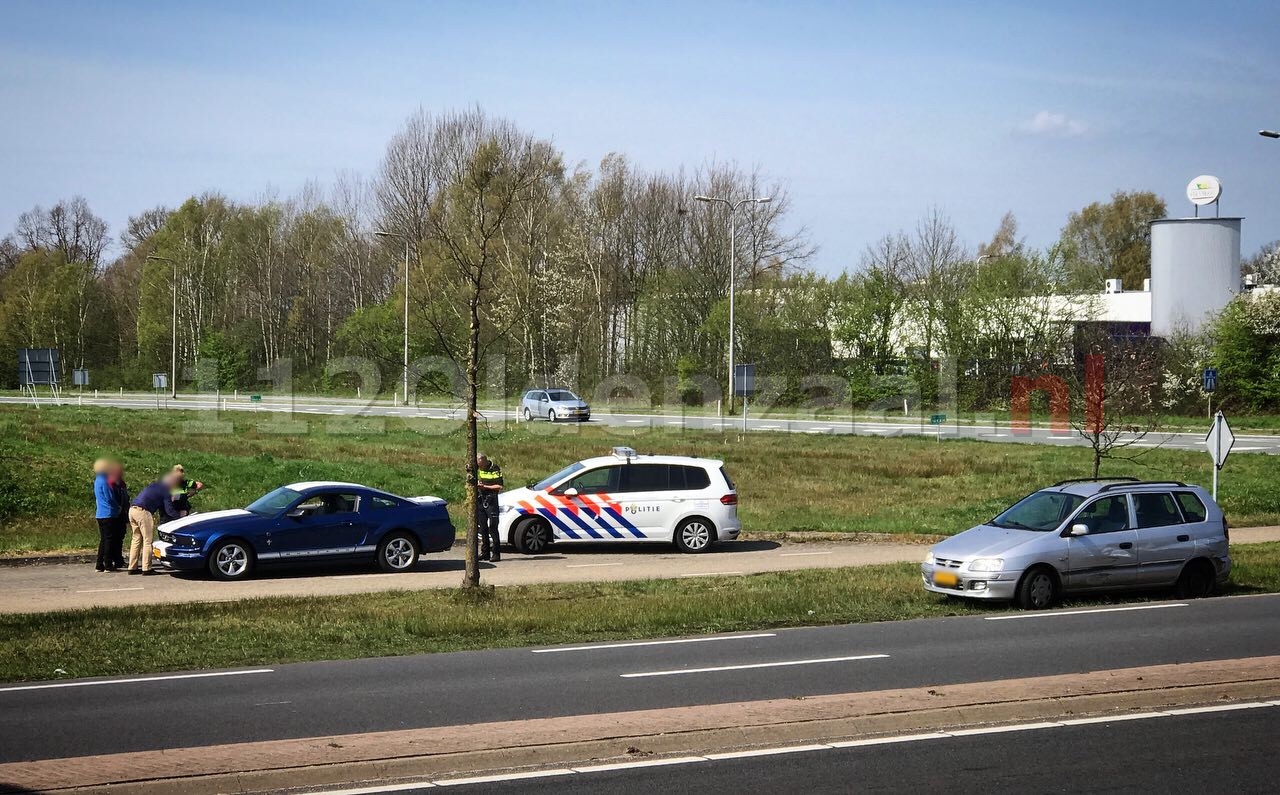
(65, 586)
(566, 744)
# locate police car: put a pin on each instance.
(626, 498)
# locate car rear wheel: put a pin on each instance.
(398, 552)
(231, 560)
(694, 535)
(1038, 589)
(533, 537)
(551, 415)
(1195, 581)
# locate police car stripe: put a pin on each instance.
(623, 521)
(557, 516)
(580, 522)
(597, 514)
(563, 528)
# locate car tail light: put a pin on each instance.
(729, 499)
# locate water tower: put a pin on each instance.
(1195, 264)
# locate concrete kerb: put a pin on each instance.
(592, 739)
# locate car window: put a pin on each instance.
(1156, 510)
(646, 477)
(380, 504)
(552, 480)
(595, 481)
(1192, 508)
(562, 394)
(728, 480)
(1107, 515)
(1042, 511)
(274, 502)
(691, 478)
(329, 503)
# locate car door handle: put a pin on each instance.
(1184, 538)
(677, 499)
(1126, 545)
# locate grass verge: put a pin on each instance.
(115, 641)
(788, 482)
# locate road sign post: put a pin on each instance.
(936, 420)
(744, 386)
(1219, 443)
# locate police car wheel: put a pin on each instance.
(533, 537)
(397, 552)
(231, 560)
(695, 535)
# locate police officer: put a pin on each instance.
(182, 492)
(488, 485)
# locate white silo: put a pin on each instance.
(1195, 271)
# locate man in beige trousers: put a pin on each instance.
(157, 497)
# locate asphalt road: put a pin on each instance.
(1216, 752)
(69, 718)
(300, 410)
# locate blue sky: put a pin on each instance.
(870, 112)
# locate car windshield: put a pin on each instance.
(1042, 511)
(547, 483)
(274, 502)
(561, 394)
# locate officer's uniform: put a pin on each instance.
(487, 512)
(180, 496)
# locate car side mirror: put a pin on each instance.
(570, 492)
(1079, 529)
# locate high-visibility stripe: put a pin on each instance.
(550, 516)
(596, 511)
(616, 514)
(580, 522)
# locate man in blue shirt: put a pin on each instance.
(157, 497)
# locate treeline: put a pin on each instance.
(588, 273)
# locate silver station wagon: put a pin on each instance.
(1088, 536)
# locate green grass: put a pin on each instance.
(788, 482)
(114, 641)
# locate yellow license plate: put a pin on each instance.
(945, 578)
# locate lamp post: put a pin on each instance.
(733, 264)
(405, 238)
(173, 345)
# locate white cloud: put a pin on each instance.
(1053, 125)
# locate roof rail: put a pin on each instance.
(1094, 480)
(1136, 482)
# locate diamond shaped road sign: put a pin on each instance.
(1219, 440)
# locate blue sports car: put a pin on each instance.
(316, 521)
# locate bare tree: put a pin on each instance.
(1115, 391)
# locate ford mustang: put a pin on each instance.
(316, 521)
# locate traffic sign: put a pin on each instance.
(1210, 382)
(1219, 440)
(937, 419)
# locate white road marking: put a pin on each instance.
(111, 590)
(750, 666)
(803, 554)
(455, 782)
(714, 574)
(272, 703)
(590, 565)
(673, 642)
(1058, 613)
(135, 680)
(794, 749)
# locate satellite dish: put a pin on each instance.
(1204, 189)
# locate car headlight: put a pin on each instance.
(929, 559)
(986, 564)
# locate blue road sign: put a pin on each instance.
(1210, 383)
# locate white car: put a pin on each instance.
(626, 498)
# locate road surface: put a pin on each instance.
(1206, 752)
(74, 718)
(301, 409)
(31, 589)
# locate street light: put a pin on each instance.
(173, 345)
(1269, 133)
(405, 238)
(733, 265)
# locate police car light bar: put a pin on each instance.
(624, 452)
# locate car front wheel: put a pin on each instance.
(551, 415)
(397, 552)
(1038, 590)
(528, 415)
(533, 537)
(694, 535)
(231, 560)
